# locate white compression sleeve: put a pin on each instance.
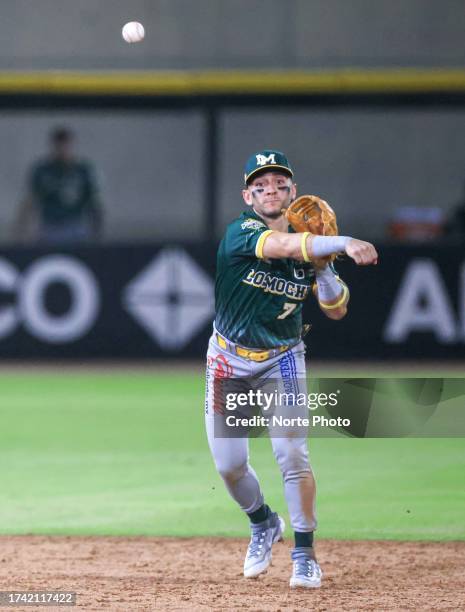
(327, 245)
(329, 288)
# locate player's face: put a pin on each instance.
(269, 193)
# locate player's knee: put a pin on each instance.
(232, 473)
(299, 477)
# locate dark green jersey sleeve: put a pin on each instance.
(245, 238)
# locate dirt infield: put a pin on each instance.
(205, 574)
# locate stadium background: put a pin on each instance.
(102, 346)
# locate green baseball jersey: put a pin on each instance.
(258, 301)
(63, 191)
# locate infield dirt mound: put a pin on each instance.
(110, 573)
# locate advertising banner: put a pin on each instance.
(157, 301)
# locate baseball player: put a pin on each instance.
(265, 271)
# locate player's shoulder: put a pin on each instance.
(241, 235)
(246, 222)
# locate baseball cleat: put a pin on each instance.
(305, 572)
(263, 536)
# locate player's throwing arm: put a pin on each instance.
(317, 238)
(317, 242)
(310, 247)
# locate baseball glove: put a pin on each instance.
(310, 213)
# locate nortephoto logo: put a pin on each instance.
(275, 401)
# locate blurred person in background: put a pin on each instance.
(62, 197)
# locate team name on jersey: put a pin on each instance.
(275, 285)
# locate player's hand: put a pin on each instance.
(363, 253)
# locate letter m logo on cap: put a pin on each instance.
(262, 159)
(266, 159)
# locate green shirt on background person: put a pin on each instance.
(63, 196)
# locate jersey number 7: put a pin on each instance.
(288, 308)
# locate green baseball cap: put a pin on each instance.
(266, 160)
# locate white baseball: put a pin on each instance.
(133, 32)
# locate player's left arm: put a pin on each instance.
(331, 292)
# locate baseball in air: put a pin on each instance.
(133, 32)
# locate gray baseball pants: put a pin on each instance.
(231, 454)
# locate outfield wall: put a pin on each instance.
(157, 301)
(154, 170)
(84, 34)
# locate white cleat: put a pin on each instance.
(305, 572)
(264, 535)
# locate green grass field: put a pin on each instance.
(125, 453)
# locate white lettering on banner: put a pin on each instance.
(9, 316)
(31, 289)
(84, 299)
(422, 304)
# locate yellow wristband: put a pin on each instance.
(261, 243)
(303, 246)
(345, 294)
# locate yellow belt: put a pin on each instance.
(252, 355)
